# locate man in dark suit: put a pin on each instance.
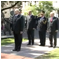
(17, 27)
(53, 29)
(42, 27)
(30, 28)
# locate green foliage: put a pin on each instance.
(30, 8)
(46, 6)
(54, 54)
(34, 11)
(27, 9)
(9, 41)
(43, 5)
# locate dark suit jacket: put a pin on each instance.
(42, 23)
(53, 26)
(18, 23)
(32, 23)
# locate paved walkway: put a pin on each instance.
(27, 52)
(10, 56)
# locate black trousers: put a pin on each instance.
(42, 36)
(30, 33)
(18, 40)
(51, 35)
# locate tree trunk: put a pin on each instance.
(10, 6)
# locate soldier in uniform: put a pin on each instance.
(42, 27)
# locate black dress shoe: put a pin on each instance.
(17, 50)
(32, 44)
(41, 45)
(28, 44)
(14, 49)
(50, 46)
(54, 47)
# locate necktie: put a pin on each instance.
(51, 20)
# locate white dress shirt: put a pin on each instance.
(28, 20)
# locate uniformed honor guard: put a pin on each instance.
(42, 27)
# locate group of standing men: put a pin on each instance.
(42, 23)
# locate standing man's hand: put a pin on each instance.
(21, 32)
(47, 31)
(33, 28)
(56, 31)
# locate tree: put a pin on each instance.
(30, 8)
(11, 2)
(46, 6)
(43, 5)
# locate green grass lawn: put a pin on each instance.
(9, 41)
(54, 54)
